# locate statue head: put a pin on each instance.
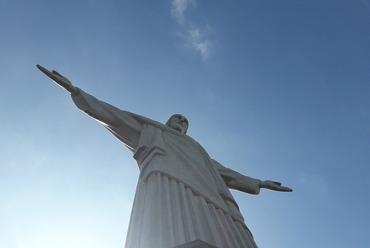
(178, 122)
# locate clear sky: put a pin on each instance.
(273, 89)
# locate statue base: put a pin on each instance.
(196, 244)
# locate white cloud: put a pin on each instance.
(178, 9)
(198, 43)
(194, 36)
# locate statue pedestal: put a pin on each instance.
(196, 244)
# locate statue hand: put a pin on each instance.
(274, 186)
(59, 79)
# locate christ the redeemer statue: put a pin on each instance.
(182, 193)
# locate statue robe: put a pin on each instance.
(180, 196)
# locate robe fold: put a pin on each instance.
(181, 195)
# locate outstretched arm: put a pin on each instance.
(124, 125)
(59, 79)
(235, 180)
(272, 185)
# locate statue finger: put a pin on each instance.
(47, 72)
(57, 73)
(286, 189)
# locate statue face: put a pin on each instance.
(179, 123)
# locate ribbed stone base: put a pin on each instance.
(196, 244)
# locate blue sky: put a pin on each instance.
(273, 89)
